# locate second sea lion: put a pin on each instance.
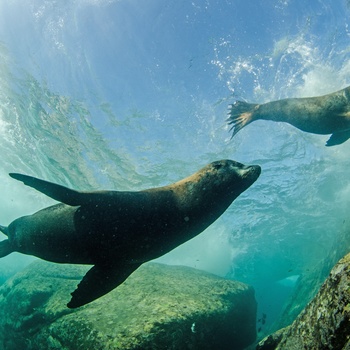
(327, 114)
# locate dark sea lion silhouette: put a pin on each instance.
(328, 114)
(118, 231)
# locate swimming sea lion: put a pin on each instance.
(118, 231)
(328, 114)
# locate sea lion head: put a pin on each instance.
(229, 177)
(218, 184)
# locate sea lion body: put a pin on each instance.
(118, 231)
(328, 114)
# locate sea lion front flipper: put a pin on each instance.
(55, 191)
(338, 138)
(240, 114)
(98, 281)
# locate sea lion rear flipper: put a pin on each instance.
(240, 114)
(338, 138)
(5, 248)
(98, 281)
(55, 191)
(3, 229)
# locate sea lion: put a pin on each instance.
(118, 231)
(328, 114)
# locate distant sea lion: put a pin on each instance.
(118, 231)
(328, 114)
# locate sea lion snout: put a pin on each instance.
(249, 174)
(253, 170)
(247, 171)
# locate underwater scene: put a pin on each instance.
(219, 129)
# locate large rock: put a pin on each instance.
(325, 322)
(312, 279)
(158, 307)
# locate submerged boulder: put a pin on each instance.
(312, 278)
(158, 307)
(325, 322)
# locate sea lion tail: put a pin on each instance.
(5, 248)
(240, 114)
(3, 229)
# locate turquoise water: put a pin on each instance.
(132, 94)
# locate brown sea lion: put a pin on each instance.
(118, 231)
(328, 114)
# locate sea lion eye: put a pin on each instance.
(217, 166)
